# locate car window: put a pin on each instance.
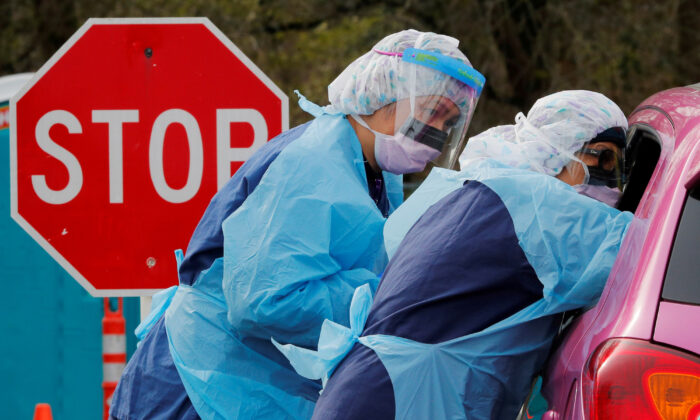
(682, 283)
(642, 155)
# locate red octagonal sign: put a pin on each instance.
(122, 138)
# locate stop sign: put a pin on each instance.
(121, 139)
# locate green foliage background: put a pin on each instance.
(626, 49)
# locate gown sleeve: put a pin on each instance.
(570, 240)
(299, 246)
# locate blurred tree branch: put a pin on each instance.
(625, 49)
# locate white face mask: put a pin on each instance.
(602, 193)
(398, 153)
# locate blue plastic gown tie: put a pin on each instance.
(159, 304)
(309, 106)
(334, 342)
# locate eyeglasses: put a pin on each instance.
(608, 159)
(609, 170)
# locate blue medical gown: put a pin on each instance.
(294, 252)
(150, 387)
(467, 308)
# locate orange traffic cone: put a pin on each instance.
(42, 411)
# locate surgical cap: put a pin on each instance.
(545, 140)
(378, 78)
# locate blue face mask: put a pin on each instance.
(602, 193)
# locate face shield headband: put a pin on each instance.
(442, 63)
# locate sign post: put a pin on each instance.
(121, 139)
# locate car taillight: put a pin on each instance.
(634, 379)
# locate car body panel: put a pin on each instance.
(628, 305)
(674, 326)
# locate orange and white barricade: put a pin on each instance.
(113, 351)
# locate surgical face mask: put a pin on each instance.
(399, 153)
(602, 193)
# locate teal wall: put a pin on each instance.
(50, 328)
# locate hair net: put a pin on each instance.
(545, 141)
(379, 78)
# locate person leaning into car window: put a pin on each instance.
(466, 310)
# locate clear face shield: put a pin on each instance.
(600, 167)
(608, 150)
(431, 123)
(437, 122)
(601, 161)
